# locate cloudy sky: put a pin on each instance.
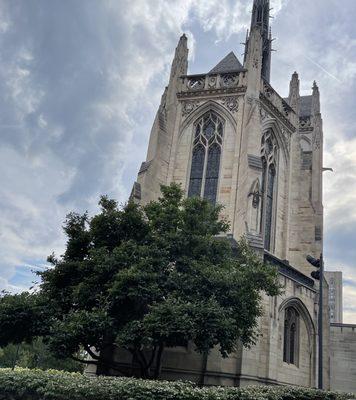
(80, 81)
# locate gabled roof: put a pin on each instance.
(228, 64)
(306, 106)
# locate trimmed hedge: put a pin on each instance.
(23, 384)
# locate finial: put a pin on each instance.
(316, 99)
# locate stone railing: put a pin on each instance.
(195, 83)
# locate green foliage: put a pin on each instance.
(35, 355)
(21, 318)
(144, 279)
(54, 385)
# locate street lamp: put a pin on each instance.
(319, 275)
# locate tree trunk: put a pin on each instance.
(158, 368)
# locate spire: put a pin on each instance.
(178, 69)
(180, 61)
(260, 20)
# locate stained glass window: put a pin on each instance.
(212, 173)
(196, 175)
(263, 190)
(204, 175)
(291, 336)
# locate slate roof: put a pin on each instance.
(306, 106)
(228, 64)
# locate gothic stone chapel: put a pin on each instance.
(229, 137)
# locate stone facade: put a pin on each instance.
(269, 180)
(343, 357)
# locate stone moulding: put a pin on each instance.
(255, 241)
(144, 167)
(136, 191)
(210, 92)
(274, 110)
(290, 272)
(231, 103)
(254, 161)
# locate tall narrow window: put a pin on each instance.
(291, 336)
(269, 207)
(204, 175)
(196, 176)
(292, 343)
(269, 159)
(212, 173)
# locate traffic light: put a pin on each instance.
(315, 263)
(315, 275)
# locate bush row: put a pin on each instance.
(24, 384)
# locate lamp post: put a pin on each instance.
(319, 275)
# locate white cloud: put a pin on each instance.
(80, 83)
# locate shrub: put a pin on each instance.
(24, 384)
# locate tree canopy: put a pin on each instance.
(143, 278)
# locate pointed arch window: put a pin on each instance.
(269, 152)
(291, 336)
(204, 174)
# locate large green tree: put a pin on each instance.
(143, 279)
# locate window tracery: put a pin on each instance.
(206, 157)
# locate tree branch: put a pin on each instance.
(159, 361)
(141, 360)
(152, 357)
(91, 353)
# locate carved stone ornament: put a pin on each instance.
(231, 103)
(267, 90)
(286, 136)
(286, 108)
(305, 122)
(317, 140)
(189, 106)
(264, 114)
(256, 199)
(250, 100)
(212, 81)
(196, 83)
(229, 80)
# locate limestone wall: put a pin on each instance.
(343, 357)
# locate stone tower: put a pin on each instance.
(228, 136)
